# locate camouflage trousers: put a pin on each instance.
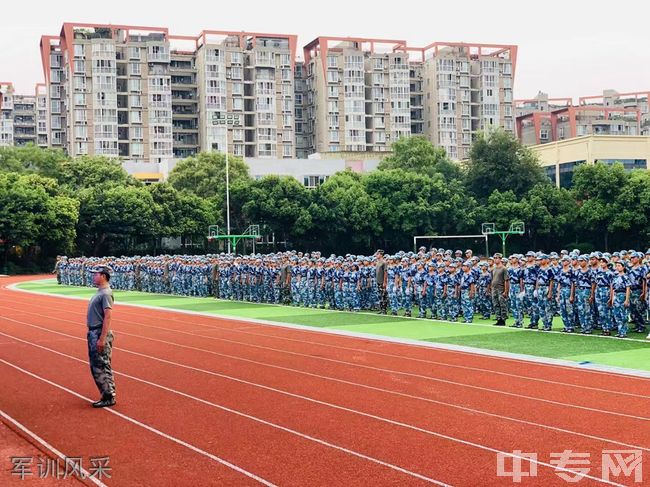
(582, 309)
(530, 303)
(516, 304)
(483, 302)
(383, 298)
(604, 311)
(637, 309)
(467, 305)
(393, 296)
(499, 304)
(620, 313)
(545, 306)
(566, 308)
(100, 363)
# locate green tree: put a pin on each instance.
(31, 158)
(205, 174)
(31, 214)
(180, 214)
(632, 211)
(498, 161)
(281, 204)
(417, 154)
(344, 216)
(60, 229)
(115, 217)
(553, 216)
(411, 204)
(597, 187)
(91, 171)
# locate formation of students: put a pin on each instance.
(597, 291)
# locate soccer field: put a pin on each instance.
(632, 353)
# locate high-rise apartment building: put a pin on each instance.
(542, 119)
(133, 92)
(466, 88)
(110, 91)
(246, 93)
(357, 94)
(363, 94)
(126, 91)
(6, 113)
(23, 118)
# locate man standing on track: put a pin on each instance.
(100, 336)
(381, 278)
(500, 286)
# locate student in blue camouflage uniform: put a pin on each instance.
(453, 292)
(603, 282)
(418, 290)
(483, 292)
(584, 285)
(566, 294)
(516, 291)
(620, 299)
(392, 282)
(530, 272)
(404, 286)
(439, 308)
(544, 291)
(467, 287)
(637, 276)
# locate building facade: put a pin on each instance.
(560, 158)
(132, 92)
(444, 91)
(541, 120)
(6, 114)
(23, 118)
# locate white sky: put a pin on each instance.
(566, 47)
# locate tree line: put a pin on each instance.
(52, 204)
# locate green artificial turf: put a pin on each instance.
(578, 348)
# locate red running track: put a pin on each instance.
(208, 401)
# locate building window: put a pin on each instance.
(566, 173)
(137, 149)
(628, 164)
(135, 69)
(312, 182)
(236, 57)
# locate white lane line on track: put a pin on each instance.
(229, 410)
(50, 448)
(389, 371)
(444, 364)
(356, 384)
(601, 369)
(372, 416)
(142, 425)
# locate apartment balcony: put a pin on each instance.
(186, 141)
(158, 57)
(184, 112)
(24, 122)
(190, 127)
(184, 100)
(192, 85)
(182, 153)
